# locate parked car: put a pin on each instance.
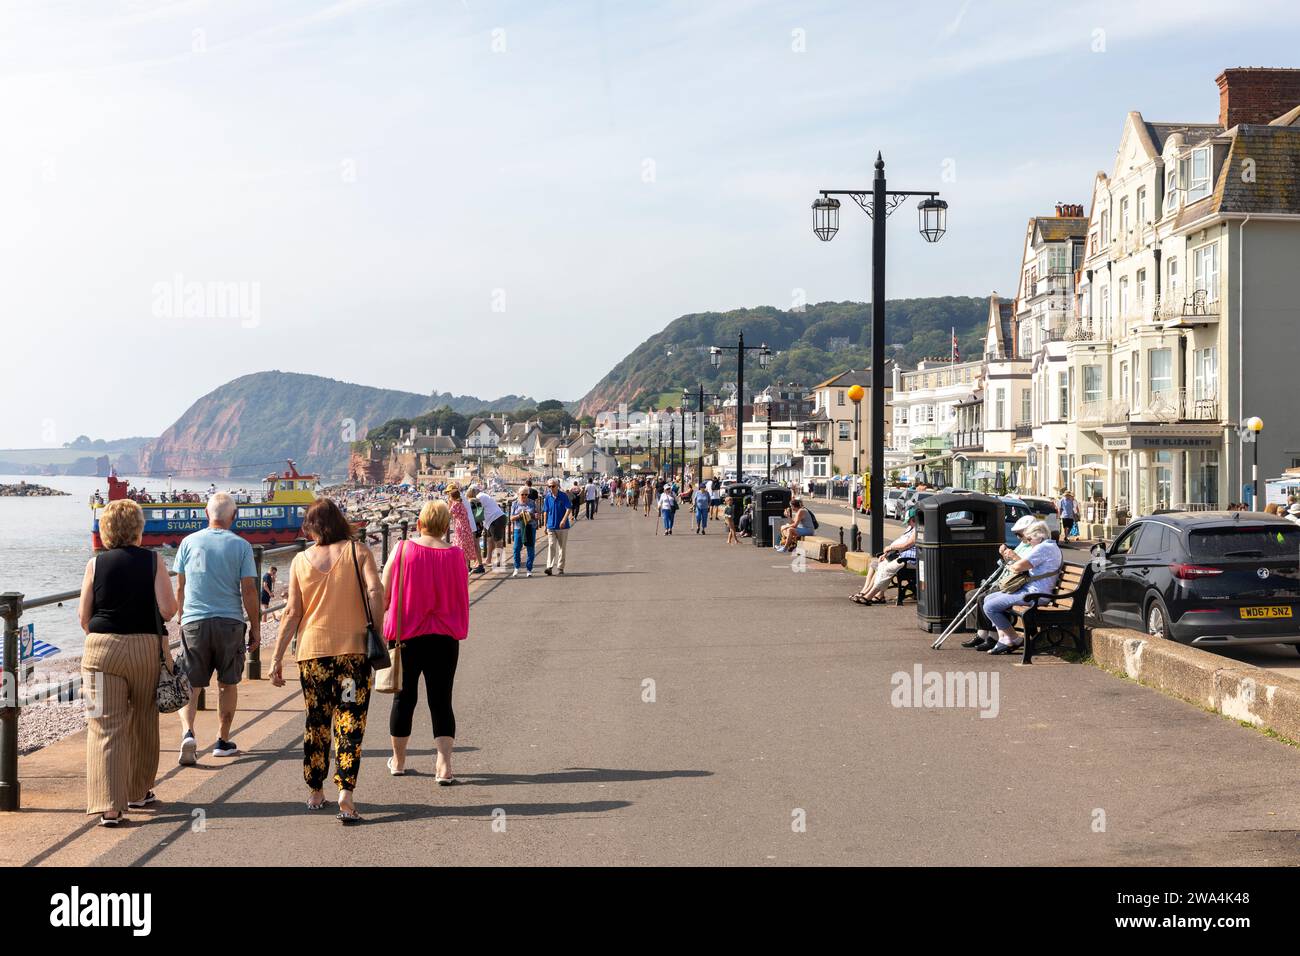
(1213, 578)
(894, 501)
(1045, 508)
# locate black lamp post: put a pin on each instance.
(764, 359)
(769, 442)
(878, 203)
(699, 428)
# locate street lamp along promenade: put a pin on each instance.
(764, 359)
(1255, 425)
(856, 393)
(878, 203)
(699, 427)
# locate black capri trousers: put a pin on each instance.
(434, 657)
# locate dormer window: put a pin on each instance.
(1198, 186)
(1171, 191)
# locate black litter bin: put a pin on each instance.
(741, 494)
(770, 501)
(957, 541)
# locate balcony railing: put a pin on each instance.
(1167, 405)
(1024, 430)
(968, 439)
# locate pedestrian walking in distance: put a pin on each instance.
(495, 521)
(667, 508)
(426, 597)
(126, 596)
(702, 502)
(331, 585)
(593, 498)
(462, 528)
(556, 506)
(523, 522)
(216, 588)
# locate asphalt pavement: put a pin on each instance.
(674, 700)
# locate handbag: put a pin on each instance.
(376, 651)
(389, 680)
(173, 690)
(1020, 580)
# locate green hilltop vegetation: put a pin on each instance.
(552, 413)
(809, 346)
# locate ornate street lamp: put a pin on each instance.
(878, 203)
(826, 217)
(932, 215)
(764, 359)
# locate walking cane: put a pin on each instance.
(978, 595)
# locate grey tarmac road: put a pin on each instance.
(772, 703)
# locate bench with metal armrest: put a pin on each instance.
(1059, 614)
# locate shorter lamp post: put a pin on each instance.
(1255, 425)
(856, 393)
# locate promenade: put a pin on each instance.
(677, 701)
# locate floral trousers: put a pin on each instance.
(336, 692)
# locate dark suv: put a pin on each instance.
(1205, 578)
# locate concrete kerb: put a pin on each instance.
(1242, 692)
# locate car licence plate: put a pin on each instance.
(1269, 612)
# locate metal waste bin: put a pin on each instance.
(769, 501)
(741, 494)
(957, 541)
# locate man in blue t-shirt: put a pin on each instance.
(216, 588)
(558, 522)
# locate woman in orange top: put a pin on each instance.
(327, 613)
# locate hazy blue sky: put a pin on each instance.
(381, 177)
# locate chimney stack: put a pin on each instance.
(1256, 94)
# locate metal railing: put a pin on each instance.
(1166, 405)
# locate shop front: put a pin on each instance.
(1150, 468)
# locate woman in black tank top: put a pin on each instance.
(126, 596)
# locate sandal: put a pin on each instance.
(316, 806)
(393, 770)
(347, 817)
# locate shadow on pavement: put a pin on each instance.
(579, 775)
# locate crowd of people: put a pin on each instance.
(336, 590)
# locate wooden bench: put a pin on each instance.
(1055, 616)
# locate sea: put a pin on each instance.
(45, 544)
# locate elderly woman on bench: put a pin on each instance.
(1038, 570)
(885, 568)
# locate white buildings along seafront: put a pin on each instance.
(1143, 334)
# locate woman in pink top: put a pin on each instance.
(426, 596)
(462, 532)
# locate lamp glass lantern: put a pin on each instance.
(764, 356)
(932, 215)
(715, 356)
(826, 218)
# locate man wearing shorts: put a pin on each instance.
(216, 588)
(494, 519)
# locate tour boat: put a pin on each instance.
(271, 516)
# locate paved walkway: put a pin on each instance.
(771, 705)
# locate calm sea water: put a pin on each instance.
(45, 543)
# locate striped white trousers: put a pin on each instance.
(120, 685)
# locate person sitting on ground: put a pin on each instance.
(1042, 564)
(799, 526)
(885, 567)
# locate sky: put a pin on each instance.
(508, 197)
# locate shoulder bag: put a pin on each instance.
(174, 688)
(376, 651)
(389, 680)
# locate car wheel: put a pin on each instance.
(1157, 620)
(1090, 607)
